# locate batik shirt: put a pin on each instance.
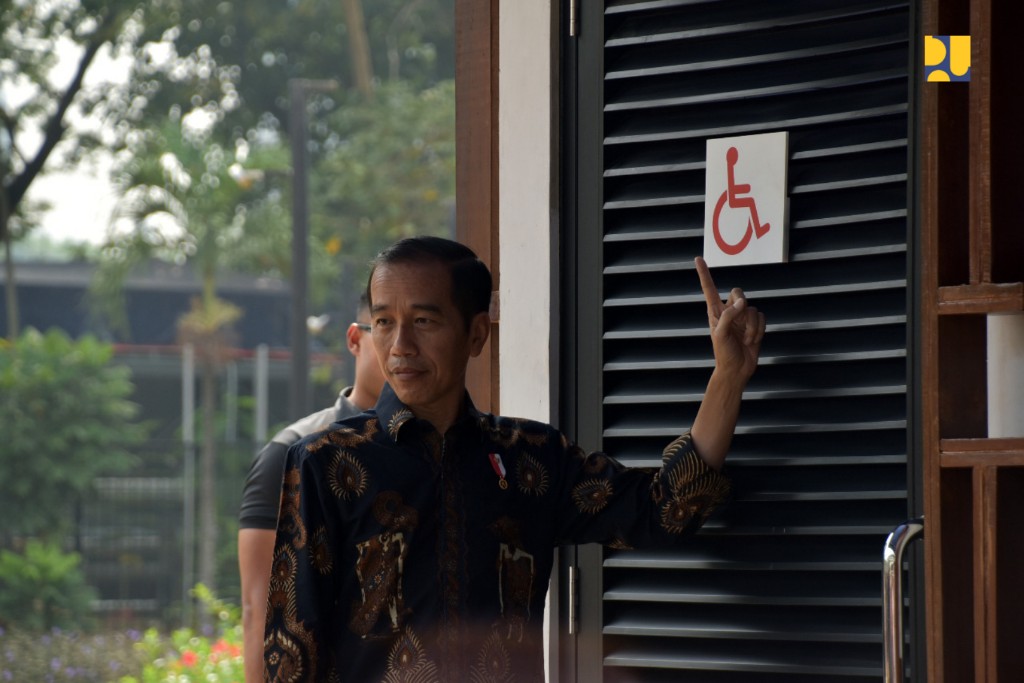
(261, 495)
(407, 555)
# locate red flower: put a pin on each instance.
(189, 658)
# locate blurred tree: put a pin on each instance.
(65, 419)
(387, 171)
(180, 202)
(38, 97)
(204, 172)
(198, 132)
(226, 66)
(236, 58)
(228, 60)
(359, 47)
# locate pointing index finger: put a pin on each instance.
(708, 285)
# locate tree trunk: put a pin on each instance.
(391, 38)
(207, 559)
(10, 281)
(359, 47)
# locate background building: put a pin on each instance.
(133, 532)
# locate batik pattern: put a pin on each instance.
(290, 521)
(346, 476)
(494, 663)
(383, 490)
(290, 651)
(397, 420)
(531, 476)
(688, 489)
(408, 662)
(345, 437)
(380, 567)
(320, 552)
(592, 495)
(516, 431)
(516, 572)
(450, 547)
(618, 543)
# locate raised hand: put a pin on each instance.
(736, 328)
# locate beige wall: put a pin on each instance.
(527, 208)
(1006, 375)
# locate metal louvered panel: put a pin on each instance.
(784, 584)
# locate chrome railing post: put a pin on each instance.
(892, 597)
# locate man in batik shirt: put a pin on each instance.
(415, 541)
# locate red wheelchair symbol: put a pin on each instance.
(732, 196)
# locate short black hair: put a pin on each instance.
(470, 280)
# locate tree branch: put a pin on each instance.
(54, 129)
(359, 47)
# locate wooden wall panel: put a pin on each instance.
(972, 266)
(476, 164)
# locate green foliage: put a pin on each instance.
(178, 203)
(43, 588)
(188, 656)
(205, 172)
(234, 59)
(61, 656)
(65, 419)
(46, 94)
(388, 168)
(387, 171)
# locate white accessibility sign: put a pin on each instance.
(745, 204)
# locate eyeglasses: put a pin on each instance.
(363, 326)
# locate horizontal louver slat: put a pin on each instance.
(783, 583)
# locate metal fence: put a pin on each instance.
(137, 536)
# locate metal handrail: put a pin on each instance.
(892, 597)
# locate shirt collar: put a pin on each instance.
(394, 415)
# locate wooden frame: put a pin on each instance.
(972, 265)
(476, 166)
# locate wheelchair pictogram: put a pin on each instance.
(733, 197)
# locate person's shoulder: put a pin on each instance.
(269, 459)
(305, 426)
(344, 408)
(352, 432)
(520, 422)
(520, 430)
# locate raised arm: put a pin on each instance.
(736, 332)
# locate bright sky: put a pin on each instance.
(82, 203)
(82, 200)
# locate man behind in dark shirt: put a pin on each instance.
(261, 495)
(415, 540)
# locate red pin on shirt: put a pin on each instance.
(499, 469)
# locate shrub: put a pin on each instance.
(43, 588)
(65, 417)
(60, 656)
(185, 656)
(189, 657)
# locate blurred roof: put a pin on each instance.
(156, 275)
(56, 295)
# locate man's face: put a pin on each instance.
(422, 341)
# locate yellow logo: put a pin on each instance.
(947, 58)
